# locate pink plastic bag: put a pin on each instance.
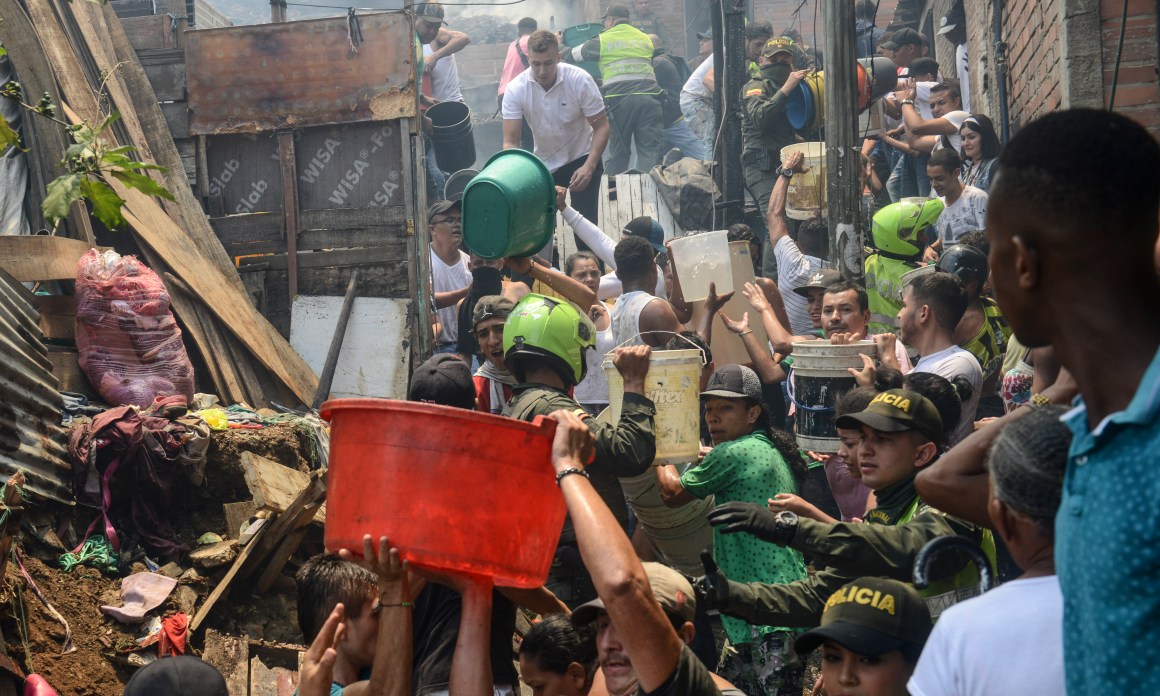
(128, 342)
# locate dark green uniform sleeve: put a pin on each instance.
(793, 605)
(627, 448)
(691, 678)
(761, 106)
(859, 549)
(589, 51)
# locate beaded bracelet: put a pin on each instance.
(568, 472)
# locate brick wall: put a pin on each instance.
(1031, 30)
(1137, 92)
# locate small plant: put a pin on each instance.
(85, 161)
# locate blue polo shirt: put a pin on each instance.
(1107, 546)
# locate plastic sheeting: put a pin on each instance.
(13, 166)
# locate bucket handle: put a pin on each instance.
(804, 407)
(671, 333)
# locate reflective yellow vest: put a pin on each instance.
(884, 289)
(625, 54)
(990, 343)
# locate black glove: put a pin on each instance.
(775, 527)
(712, 588)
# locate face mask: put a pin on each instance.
(486, 281)
(777, 73)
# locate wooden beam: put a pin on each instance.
(289, 208)
(58, 316)
(40, 257)
(273, 485)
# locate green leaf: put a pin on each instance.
(108, 121)
(106, 203)
(142, 183)
(123, 150)
(60, 194)
(8, 137)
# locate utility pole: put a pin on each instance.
(843, 156)
(277, 10)
(729, 53)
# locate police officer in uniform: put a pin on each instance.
(901, 231)
(544, 342)
(765, 128)
(631, 93)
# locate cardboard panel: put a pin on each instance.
(292, 74)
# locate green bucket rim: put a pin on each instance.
(550, 199)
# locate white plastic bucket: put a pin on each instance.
(673, 384)
(806, 197)
(700, 259)
(820, 377)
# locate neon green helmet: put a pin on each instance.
(904, 229)
(549, 329)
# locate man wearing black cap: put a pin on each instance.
(902, 433)
(953, 27)
(450, 270)
(704, 48)
(630, 89)
(872, 633)
(903, 46)
(749, 464)
(765, 128)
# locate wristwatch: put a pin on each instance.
(907, 101)
(787, 173)
(785, 527)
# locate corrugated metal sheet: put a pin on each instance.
(31, 437)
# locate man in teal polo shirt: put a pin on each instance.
(1073, 267)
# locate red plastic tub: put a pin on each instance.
(452, 489)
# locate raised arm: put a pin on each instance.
(775, 214)
(620, 581)
(572, 290)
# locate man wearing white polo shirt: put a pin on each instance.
(565, 110)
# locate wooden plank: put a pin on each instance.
(273, 485)
(68, 371)
(148, 31)
(368, 256)
(177, 117)
(223, 586)
(320, 229)
(298, 514)
(134, 8)
(225, 374)
(40, 257)
(58, 316)
(297, 74)
(634, 195)
(289, 210)
(230, 655)
(236, 515)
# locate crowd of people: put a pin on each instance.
(992, 299)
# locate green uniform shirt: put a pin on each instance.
(750, 470)
(850, 550)
(764, 124)
(624, 449)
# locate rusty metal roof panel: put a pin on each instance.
(266, 77)
(31, 437)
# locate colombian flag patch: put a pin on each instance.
(756, 91)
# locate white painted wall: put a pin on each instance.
(374, 360)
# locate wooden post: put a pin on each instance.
(843, 157)
(290, 209)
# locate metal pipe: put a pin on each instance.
(1001, 70)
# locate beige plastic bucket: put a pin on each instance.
(806, 197)
(673, 384)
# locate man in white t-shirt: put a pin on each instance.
(565, 110)
(450, 274)
(953, 27)
(964, 207)
(932, 305)
(947, 116)
(796, 260)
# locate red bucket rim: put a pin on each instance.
(541, 424)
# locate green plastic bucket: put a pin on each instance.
(509, 208)
(577, 35)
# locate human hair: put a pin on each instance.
(740, 232)
(324, 581)
(887, 378)
(682, 340)
(846, 286)
(555, 643)
(1027, 463)
(923, 66)
(634, 258)
(946, 158)
(948, 397)
(570, 262)
(785, 445)
(951, 87)
(865, 9)
(989, 146)
(1120, 195)
(978, 240)
(854, 401)
(527, 25)
(944, 293)
(543, 41)
(813, 237)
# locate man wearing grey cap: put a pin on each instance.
(643, 614)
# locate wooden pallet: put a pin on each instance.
(636, 195)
